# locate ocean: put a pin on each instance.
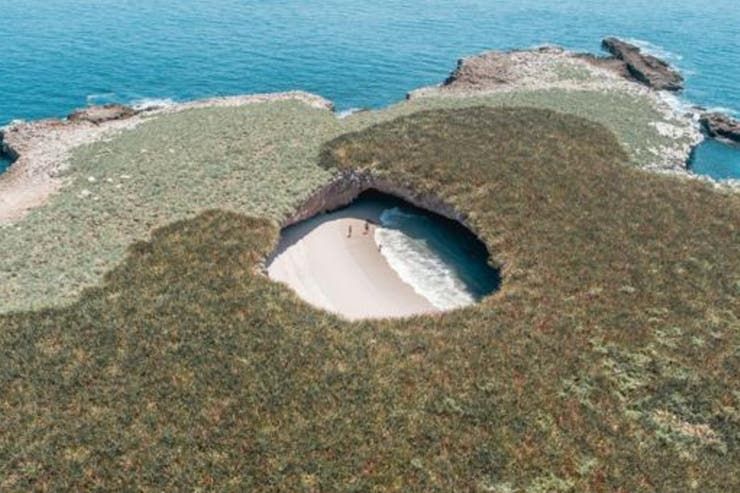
(62, 54)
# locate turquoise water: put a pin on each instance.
(440, 259)
(62, 54)
(717, 160)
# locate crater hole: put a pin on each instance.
(382, 257)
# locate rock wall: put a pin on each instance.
(6, 151)
(647, 69)
(721, 126)
(347, 186)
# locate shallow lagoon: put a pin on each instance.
(716, 159)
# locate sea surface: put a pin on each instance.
(58, 55)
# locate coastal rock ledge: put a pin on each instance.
(500, 68)
(644, 68)
(102, 114)
(721, 126)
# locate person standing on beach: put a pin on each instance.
(367, 227)
(349, 231)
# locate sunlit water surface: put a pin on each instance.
(62, 54)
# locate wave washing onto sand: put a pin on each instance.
(418, 263)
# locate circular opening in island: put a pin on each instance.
(381, 257)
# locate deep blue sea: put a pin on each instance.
(58, 55)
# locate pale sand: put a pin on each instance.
(344, 275)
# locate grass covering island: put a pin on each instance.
(143, 348)
(608, 361)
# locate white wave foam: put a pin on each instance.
(678, 104)
(100, 98)
(655, 50)
(419, 266)
(723, 109)
(152, 103)
(348, 112)
(682, 106)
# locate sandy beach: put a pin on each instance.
(344, 274)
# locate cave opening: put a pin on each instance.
(382, 257)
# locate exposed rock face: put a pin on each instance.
(5, 150)
(606, 62)
(647, 69)
(497, 69)
(101, 114)
(347, 186)
(490, 68)
(721, 126)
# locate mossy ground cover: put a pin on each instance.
(255, 159)
(258, 159)
(631, 117)
(609, 360)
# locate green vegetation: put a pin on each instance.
(609, 360)
(629, 116)
(573, 72)
(258, 159)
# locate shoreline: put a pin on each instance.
(342, 274)
(39, 150)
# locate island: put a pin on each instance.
(145, 344)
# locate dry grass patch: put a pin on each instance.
(602, 365)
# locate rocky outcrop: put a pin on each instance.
(721, 126)
(101, 114)
(610, 63)
(484, 70)
(644, 68)
(347, 186)
(494, 70)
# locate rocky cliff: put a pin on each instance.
(644, 68)
(721, 126)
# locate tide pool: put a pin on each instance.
(716, 159)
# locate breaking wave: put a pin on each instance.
(348, 112)
(424, 257)
(152, 103)
(101, 98)
(656, 50)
